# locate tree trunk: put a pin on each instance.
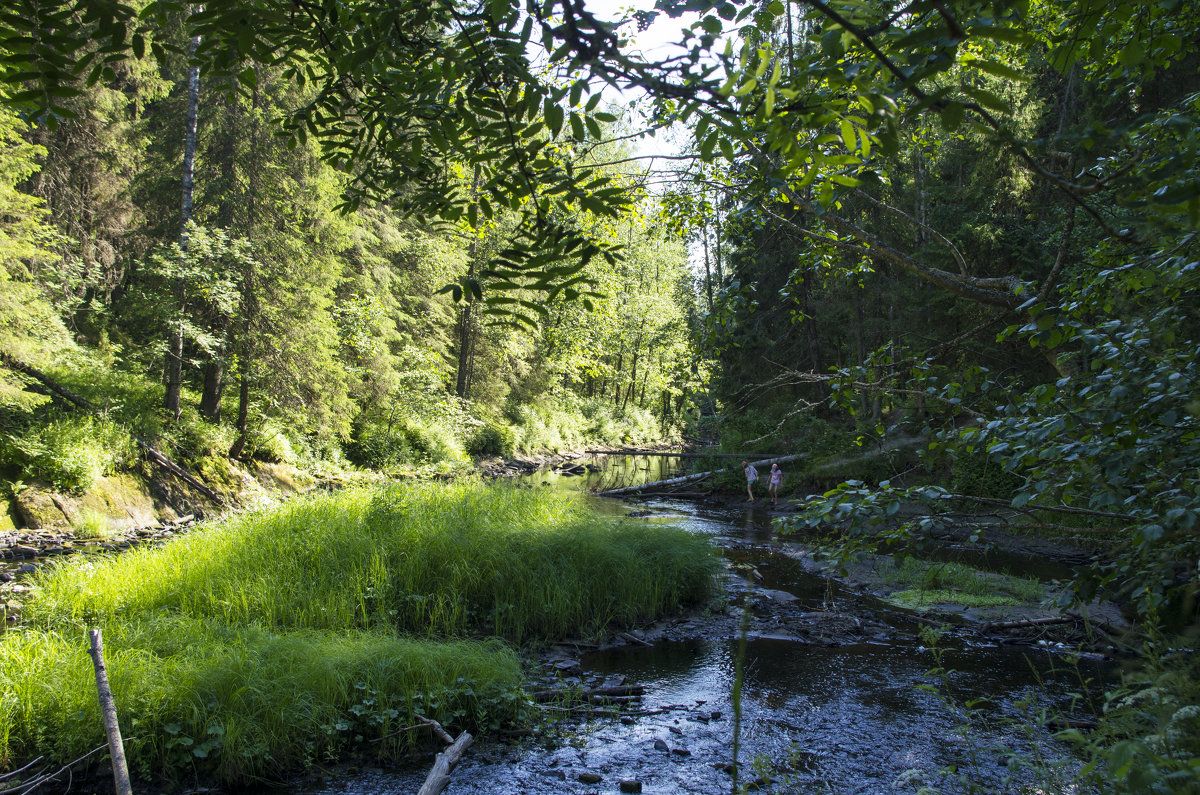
(239, 445)
(466, 320)
(174, 367)
(708, 287)
(465, 323)
(214, 388)
(632, 381)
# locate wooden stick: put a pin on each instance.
(439, 777)
(634, 639)
(437, 729)
(108, 709)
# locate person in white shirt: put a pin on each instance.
(751, 477)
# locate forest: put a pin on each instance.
(941, 255)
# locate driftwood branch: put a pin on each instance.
(108, 709)
(439, 776)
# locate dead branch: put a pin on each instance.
(439, 776)
(108, 709)
(437, 729)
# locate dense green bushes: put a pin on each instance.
(69, 451)
(568, 422)
(273, 640)
(492, 438)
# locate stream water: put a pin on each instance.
(840, 717)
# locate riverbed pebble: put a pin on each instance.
(631, 786)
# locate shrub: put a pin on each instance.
(975, 473)
(567, 422)
(492, 438)
(70, 452)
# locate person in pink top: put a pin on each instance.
(773, 483)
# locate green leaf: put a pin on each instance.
(554, 116)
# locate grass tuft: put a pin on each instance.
(433, 560)
(929, 582)
(92, 524)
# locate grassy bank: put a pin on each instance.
(921, 583)
(273, 640)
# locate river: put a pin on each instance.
(820, 713)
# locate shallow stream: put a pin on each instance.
(842, 717)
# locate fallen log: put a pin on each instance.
(657, 485)
(163, 462)
(439, 776)
(1031, 622)
(674, 453)
(695, 478)
(613, 690)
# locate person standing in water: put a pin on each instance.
(773, 483)
(751, 477)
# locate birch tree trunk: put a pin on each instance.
(174, 368)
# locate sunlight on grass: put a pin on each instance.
(272, 640)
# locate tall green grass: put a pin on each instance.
(246, 703)
(431, 560)
(272, 640)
